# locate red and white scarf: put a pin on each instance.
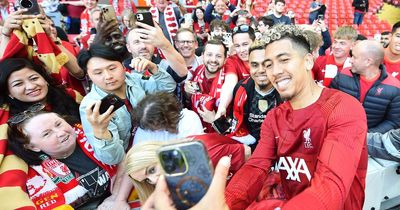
(121, 5)
(170, 19)
(52, 184)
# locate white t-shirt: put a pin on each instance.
(190, 124)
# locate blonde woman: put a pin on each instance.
(144, 169)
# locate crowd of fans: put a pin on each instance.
(304, 107)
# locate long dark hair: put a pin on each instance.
(57, 98)
(194, 17)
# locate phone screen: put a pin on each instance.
(221, 125)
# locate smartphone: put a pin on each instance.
(145, 17)
(31, 5)
(188, 172)
(108, 12)
(221, 125)
(188, 18)
(109, 100)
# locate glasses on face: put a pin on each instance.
(241, 28)
(22, 116)
(188, 42)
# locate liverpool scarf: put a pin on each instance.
(33, 43)
(171, 22)
(52, 184)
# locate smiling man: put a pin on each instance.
(392, 52)
(315, 143)
(253, 97)
(327, 67)
(237, 66)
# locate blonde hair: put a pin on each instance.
(139, 157)
(347, 33)
(314, 39)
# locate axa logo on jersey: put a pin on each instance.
(294, 167)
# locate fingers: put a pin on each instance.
(149, 204)
(221, 172)
(144, 26)
(140, 64)
(162, 195)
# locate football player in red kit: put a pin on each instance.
(312, 150)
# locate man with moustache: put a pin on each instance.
(253, 98)
(144, 41)
(205, 87)
(315, 140)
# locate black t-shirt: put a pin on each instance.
(91, 176)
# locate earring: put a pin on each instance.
(11, 97)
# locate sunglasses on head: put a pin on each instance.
(241, 28)
(22, 116)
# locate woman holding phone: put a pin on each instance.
(144, 169)
(63, 169)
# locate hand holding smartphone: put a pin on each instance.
(145, 17)
(108, 13)
(188, 172)
(31, 5)
(109, 100)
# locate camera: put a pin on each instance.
(26, 4)
(173, 161)
(31, 5)
(188, 171)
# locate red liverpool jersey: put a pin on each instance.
(318, 153)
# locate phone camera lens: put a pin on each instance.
(26, 4)
(113, 101)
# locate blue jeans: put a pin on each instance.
(358, 18)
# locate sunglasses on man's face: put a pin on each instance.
(22, 116)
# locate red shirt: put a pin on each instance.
(86, 24)
(319, 153)
(392, 68)
(67, 79)
(325, 69)
(365, 85)
(236, 66)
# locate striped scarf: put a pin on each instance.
(171, 22)
(14, 171)
(34, 44)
